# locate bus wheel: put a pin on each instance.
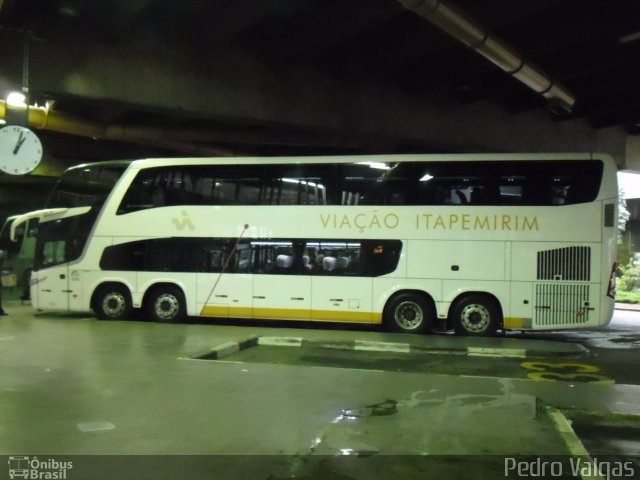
(477, 315)
(408, 313)
(166, 304)
(112, 302)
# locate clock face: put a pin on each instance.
(20, 150)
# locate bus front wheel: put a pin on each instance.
(408, 313)
(476, 315)
(112, 302)
(166, 304)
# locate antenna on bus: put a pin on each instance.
(226, 263)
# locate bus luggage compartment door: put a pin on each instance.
(224, 295)
(282, 297)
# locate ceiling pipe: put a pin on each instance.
(465, 29)
(43, 118)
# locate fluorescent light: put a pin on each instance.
(16, 99)
(376, 165)
(426, 177)
(302, 182)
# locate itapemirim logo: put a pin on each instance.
(184, 222)
(32, 468)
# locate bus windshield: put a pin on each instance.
(86, 185)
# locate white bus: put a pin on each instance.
(17, 256)
(473, 243)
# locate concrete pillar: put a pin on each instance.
(632, 156)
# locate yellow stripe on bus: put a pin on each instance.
(517, 322)
(292, 314)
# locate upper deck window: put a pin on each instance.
(401, 183)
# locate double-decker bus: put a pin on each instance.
(474, 243)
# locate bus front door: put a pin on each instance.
(50, 289)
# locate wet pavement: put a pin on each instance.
(72, 385)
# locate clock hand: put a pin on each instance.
(19, 143)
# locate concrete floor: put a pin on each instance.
(72, 385)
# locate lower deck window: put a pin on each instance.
(358, 258)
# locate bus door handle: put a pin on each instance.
(297, 298)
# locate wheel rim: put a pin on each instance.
(475, 318)
(166, 306)
(114, 304)
(409, 315)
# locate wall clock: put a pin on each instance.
(20, 150)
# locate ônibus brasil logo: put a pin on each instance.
(33, 468)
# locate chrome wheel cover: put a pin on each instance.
(475, 318)
(114, 304)
(166, 306)
(409, 315)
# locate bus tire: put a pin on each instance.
(112, 302)
(476, 315)
(166, 304)
(409, 313)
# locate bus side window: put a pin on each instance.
(382, 256)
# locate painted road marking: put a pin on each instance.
(95, 426)
(280, 341)
(566, 371)
(382, 346)
(496, 352)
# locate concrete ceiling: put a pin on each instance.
(136, 78)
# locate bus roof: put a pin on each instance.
(161, 162)
(106, 163)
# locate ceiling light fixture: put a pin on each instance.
(632, 37)
(17, 100)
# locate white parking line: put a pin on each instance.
(496, 352)
(382, 346)
(280, 341)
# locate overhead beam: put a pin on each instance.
(235, 88)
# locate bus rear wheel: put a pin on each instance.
(112, 302)
(476, 315)
(408, 313)
(166, 304)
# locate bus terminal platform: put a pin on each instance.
(76, 386)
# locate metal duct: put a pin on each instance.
(465, 29)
